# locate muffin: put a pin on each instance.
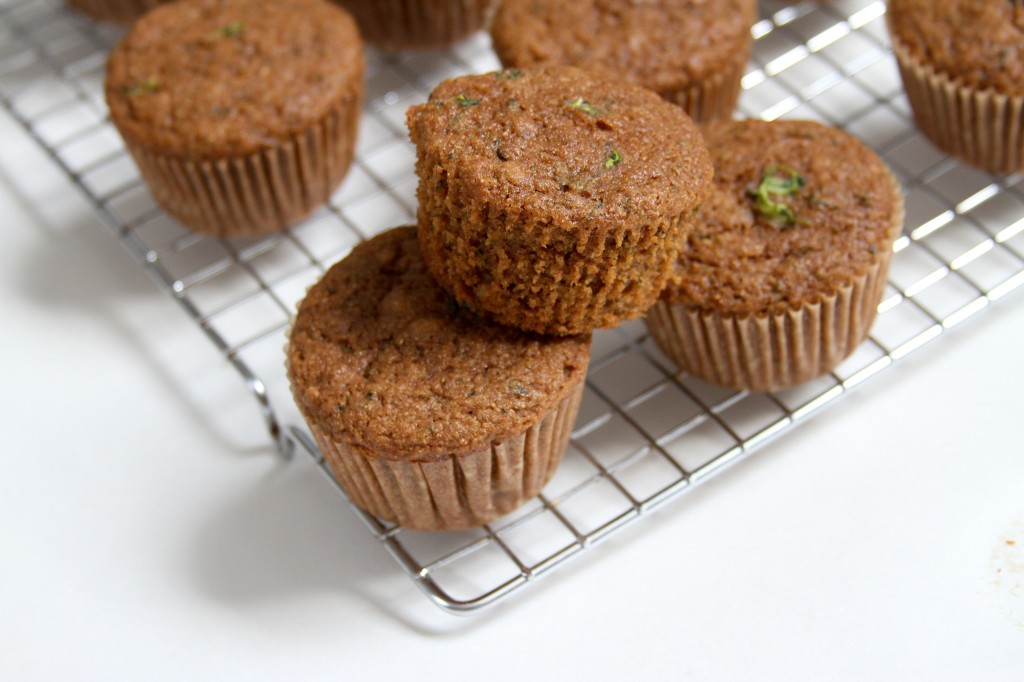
(554, 200)
(417, 24)
(116, 11)
(429, 416)
(962, 64)
(691, 52)
(240, 114)
(782, 277)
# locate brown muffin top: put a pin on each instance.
(566, 148)
(229, 77)
(978, 43)
(382, 357)
(797, 209)
(661, 44)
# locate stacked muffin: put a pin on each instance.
(554, 199)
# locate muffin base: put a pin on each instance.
(769, 352)
(254, 193)
(417, 24)
(454, 492)
(981, 127)
(548, 284)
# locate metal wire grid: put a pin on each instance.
(645, 434)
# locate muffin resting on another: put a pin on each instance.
(554, 200)
(429, 416)
(782, 276)
(962, 63)
(240, 114)
(116, 11)
(417, 24)
(691, 52)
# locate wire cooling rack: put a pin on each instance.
(645, 434)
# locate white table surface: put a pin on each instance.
(148, 531)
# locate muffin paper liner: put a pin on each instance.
(417, 24)
(771, 352)
(980, 127)
(260, 192)
(115, 11)
(454, 491)
(714, 98)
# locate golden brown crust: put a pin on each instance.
(217, 78)
(738, 261)
(664, 45)
(977, 43)
(554, 199)
(417, 24)
(381, 358)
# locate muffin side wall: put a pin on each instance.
(458, 491)
(259, 192)
(984, 128)
(774, 351)
(533, 275)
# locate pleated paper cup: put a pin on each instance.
(979, 126)
(254, 193)
(714, 98)
(417, 24)
(454, 491)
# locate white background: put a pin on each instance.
(148, 532)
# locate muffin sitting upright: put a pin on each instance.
(691, 52)
(554, 200)
(417, 24)
(962, 63)
(429, 416)
(240, 114)
(782, 276)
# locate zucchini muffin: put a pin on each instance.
(691, 52)
(240, 114)
(429, 416)
(782, 277)
(554, 200)
(962, 63)
(417, 24)
(115, 11)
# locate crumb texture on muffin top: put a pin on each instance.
(563, 147)
(659, 43)
(977, 43)
(380, 356)
(797, 209)
(230, 77)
